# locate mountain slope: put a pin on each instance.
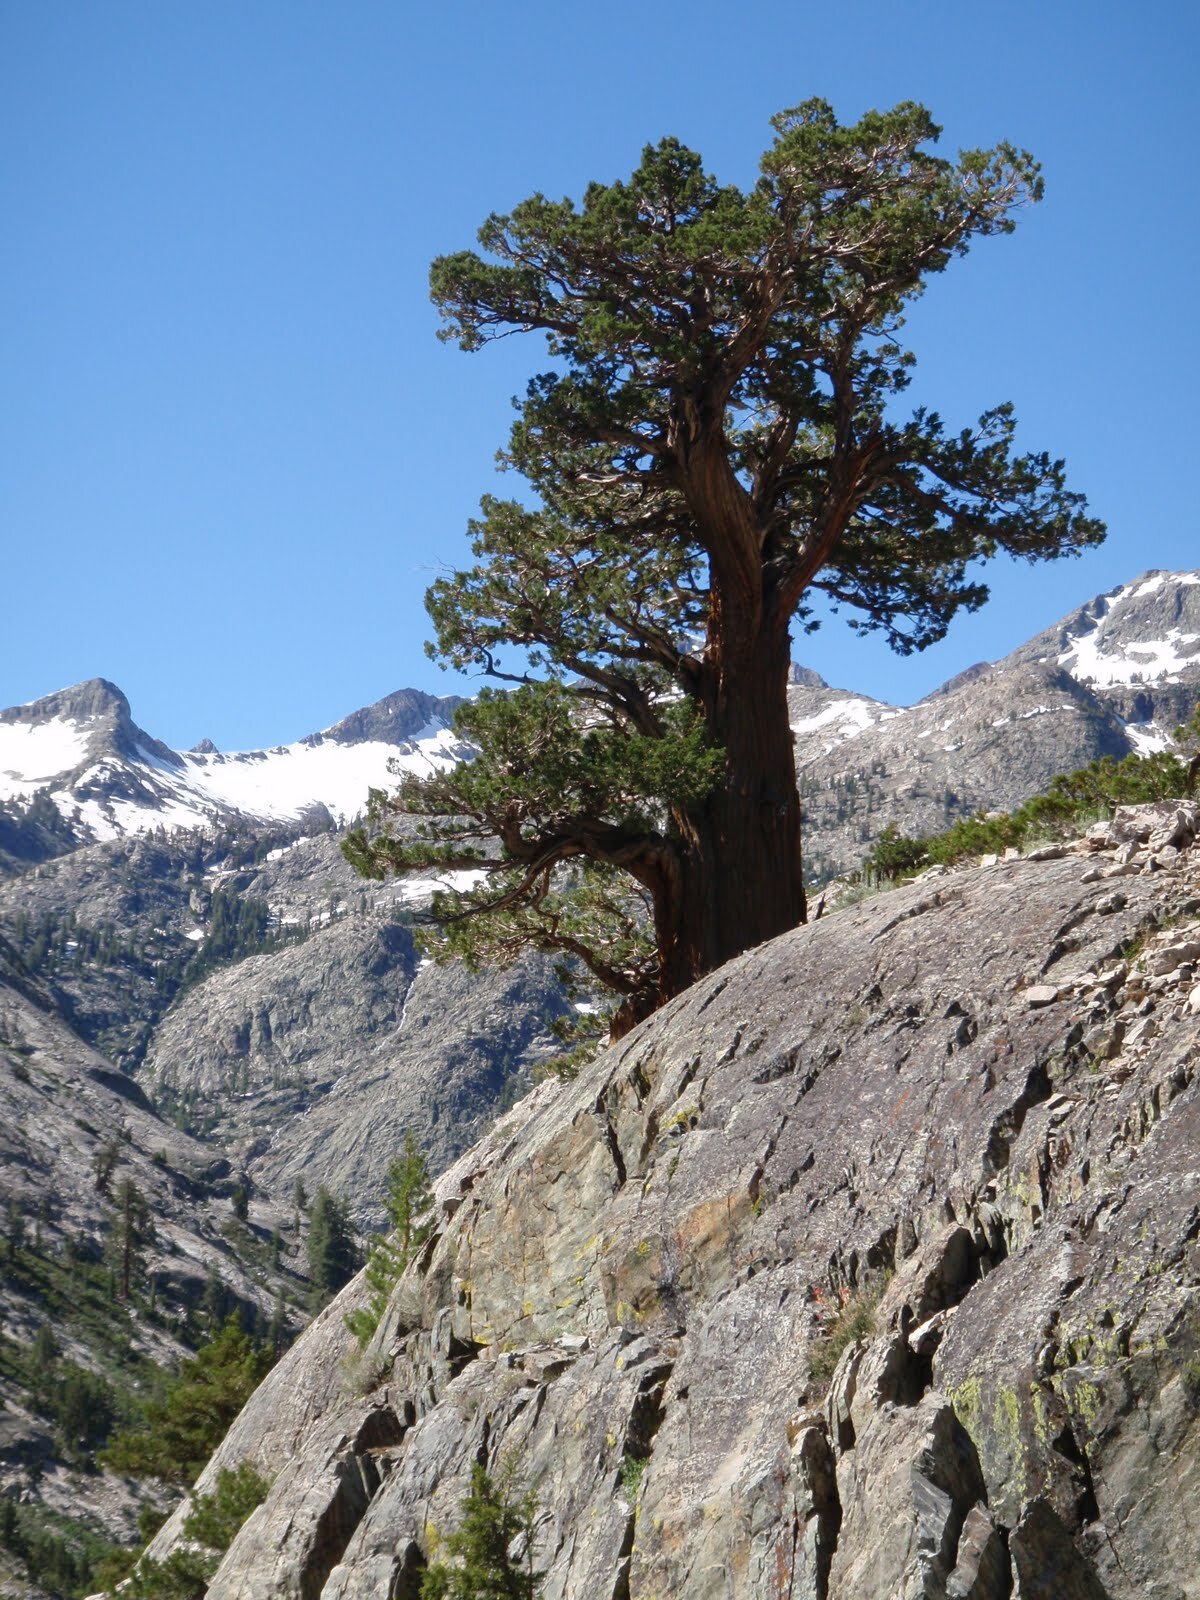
(866, 1270)
(1137, 647)
(1113, 679)
(73, 1133)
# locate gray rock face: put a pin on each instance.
(988, 744)
(102, 707)
(1115, 677)
(308, 1061)
(318, 1058)
(858, 1138)
(396, 718)
(1137, 648)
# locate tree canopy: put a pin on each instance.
(721, 440)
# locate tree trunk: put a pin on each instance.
(740, 878)
(755, 817)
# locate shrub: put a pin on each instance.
(1071, 799)
(209, 1528)
(854, 1321)
(498, 1518)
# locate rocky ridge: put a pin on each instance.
(868, 1268)
(1113, 679)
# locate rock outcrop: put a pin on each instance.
(868, 1268)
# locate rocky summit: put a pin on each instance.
(870, 1267)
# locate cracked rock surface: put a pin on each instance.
(869, 1267)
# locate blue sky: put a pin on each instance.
(232, 451)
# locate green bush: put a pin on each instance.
(184, 1429)
(497, 1518)
(1071, 799)
(209, 1528)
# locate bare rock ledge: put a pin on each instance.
(868, 1123)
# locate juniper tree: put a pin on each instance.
(720, 443)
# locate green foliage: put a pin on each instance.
(633, 1470)
(237, 926)
(492, 1550)
(14, 1229)
(721, 442)
(64, 1557)
(409, 1203)
(893, 856)
(182, 1430)
(1071, 799)
(332, 1249)
(216, 1517)
(855, 1320)
(84, 1406)
(209, 1528)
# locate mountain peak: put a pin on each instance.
(395, 719)
(89, 701)
(1140, 633)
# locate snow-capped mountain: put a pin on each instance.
(1137, 648)
(110, 778)
(1114, 678)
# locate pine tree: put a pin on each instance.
(133, 1230)
(332, 1252)
(409, 1202)
(493, 1549)
(409, 1198)
(14, 1229)
(720, 445)
(182, 1430)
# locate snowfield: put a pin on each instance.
(197, 790)
(33, 754)
(1094, 658)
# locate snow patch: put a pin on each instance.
(422, 886)
(197, 790)
(1146, 739)
(1151, 586)
(1147, 660)
(845, 719)
(856, 713)
(33, 754)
